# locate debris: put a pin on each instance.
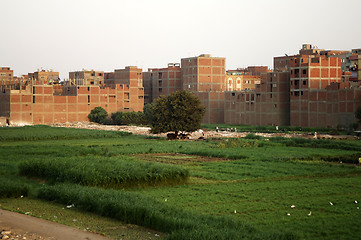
(310, 213)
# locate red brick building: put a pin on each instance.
(267, 104)
(206, 77)
(6, 76)
(47, 103)
(161, 81)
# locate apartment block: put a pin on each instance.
(87, 77)
(204, 73)
(132, 78)
(6, 76)
(267, 104)
(46, 104)
(43, 77)
(308, 72)
(244, 79)
(161, 81)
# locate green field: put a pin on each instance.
(214, 189)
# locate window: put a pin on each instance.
(304, 71)
(33, 99)
(304, 82)
(88, 89)
(160, 75)
(88, 98)
(233, 94)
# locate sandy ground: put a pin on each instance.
(20, 226)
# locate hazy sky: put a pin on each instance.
(69, 35)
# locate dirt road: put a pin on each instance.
(20, 226)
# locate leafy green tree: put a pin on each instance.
(180, 111)
(148, 112)
(98, 115)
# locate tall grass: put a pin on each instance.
(39, 132)
(104, 172)
(12, 186)
(144, 211)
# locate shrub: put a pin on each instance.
(98, 115)
(127, 118)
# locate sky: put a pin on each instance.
(71, 35)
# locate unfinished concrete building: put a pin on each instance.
(43, 77)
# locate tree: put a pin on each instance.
(98, 115)
(148, 112)
(180, 111)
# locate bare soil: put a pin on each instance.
(20, 226)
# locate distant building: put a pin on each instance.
(206, 77)
(161, 81)
(43, 77)
(6, 76)
(87, 77)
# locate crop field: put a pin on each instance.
(246, 188)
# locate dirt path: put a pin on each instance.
(20, 226)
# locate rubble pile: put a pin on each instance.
(11, 235)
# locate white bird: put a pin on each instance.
(331, 203)
(235, 211)
(293, 206)
(356, 202)
(310, 213)
(288, 214)
(165, 200)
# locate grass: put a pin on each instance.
(74, 217)
(107, 172)
(238, 188)
(271, 129)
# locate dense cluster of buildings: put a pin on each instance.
(314, 88)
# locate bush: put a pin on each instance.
(127, 118)
(98, 115)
